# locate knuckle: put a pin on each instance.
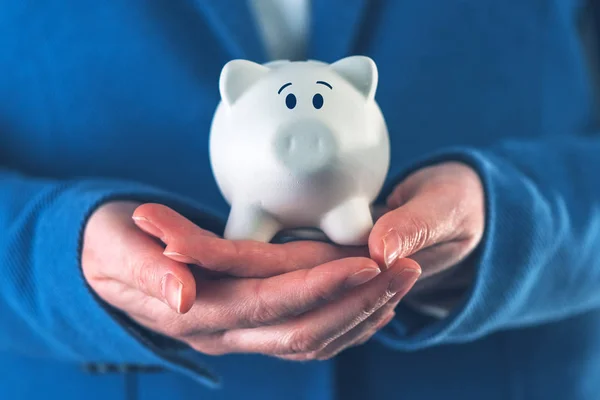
(421, 234)
(144, 273)
(303, 342)
(369, 305)
(90, 273)
(236, 249)
(318, 292)
(366, 311)
(262, 312)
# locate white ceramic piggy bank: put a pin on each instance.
(299, 145)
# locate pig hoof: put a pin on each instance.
(349, 224)
(247, 222)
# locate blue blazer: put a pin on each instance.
(93, 94)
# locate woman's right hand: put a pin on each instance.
(301, 300)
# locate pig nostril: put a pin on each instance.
(319, 144)
(291, 144)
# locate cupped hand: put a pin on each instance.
(301, 300)
(436, 217)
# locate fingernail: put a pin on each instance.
(148, 226)
(406, 277)
(391, 248)
(172, 291)
(362, 276)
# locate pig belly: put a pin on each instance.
(302, 203)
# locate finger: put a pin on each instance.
(361, 333)
(165, 224)
(334, 348)
(247, 303)
(382, 324)
(148, 270)
(313, 331)
(188, 243)
(422, 221)
(250, 259)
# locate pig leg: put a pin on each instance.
(250, 222)
(349, 223)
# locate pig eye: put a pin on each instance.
(290, 101)
(317, 101)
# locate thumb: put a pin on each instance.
(158, 276)
(166, 224)
(417, 224)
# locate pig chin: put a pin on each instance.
(302, 197)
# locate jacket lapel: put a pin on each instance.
(233, 22)
(335, 26)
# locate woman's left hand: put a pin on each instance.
(436, 217)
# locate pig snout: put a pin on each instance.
(305, 147)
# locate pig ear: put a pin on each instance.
(360, 72)
(238, 76)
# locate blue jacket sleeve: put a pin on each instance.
(539, 260)
(46, 307)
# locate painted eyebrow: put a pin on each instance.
(325, 84)
(283, 87)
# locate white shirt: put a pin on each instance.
(284, 27)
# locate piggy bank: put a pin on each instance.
(299, 145)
